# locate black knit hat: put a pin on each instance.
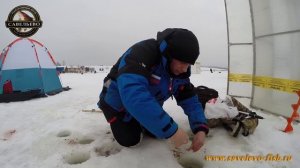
(181, 44)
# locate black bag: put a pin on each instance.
(205, 94)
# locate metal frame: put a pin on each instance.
(254, 49)
(279, 33)
(254, 54)
(229, 44)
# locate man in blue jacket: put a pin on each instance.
(145, 76)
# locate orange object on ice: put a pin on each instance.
(289, 127)
(295, 115)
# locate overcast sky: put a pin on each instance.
(97, 32)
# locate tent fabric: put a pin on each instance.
(29, 66)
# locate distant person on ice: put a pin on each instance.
(147, 74)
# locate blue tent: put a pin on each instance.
(29, 66)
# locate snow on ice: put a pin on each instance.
(54, 132)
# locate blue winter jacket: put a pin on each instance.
(140, 83)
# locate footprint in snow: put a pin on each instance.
(76, 157)
(64, 133)
(85, 140)
(74, 141)
(109, 148)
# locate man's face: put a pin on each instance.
(178, 67)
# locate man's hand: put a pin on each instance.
(179, 138)
(198, 141)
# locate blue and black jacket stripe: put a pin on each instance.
(141, 83)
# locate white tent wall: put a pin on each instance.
(240, 48)
(20, 49)
(274, 16)
(241, 69)
(45, 60)
(277, 54)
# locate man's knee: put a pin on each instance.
(129, 141)
(127, 133)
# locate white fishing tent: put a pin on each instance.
(264, 52)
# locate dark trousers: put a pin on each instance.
(127, 133)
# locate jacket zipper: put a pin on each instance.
(171, 87)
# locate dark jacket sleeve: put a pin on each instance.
(143, 107)
(188, 100)
(133, 87)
